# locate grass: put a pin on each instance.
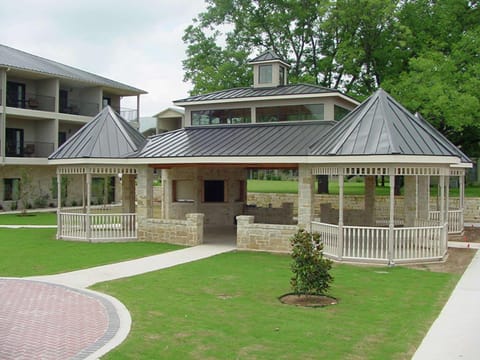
(226, 307)
(350, 188)
(31, 218)
(28, 252)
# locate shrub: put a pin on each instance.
(41, 201)
(311, 271)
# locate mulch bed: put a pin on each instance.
(308, 300)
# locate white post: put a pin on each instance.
(391, 223)
(89, 192)
(59, 204)
(340, 214)
(442, 212)
(461, 180)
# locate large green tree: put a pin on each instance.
(330, 43)
(426, 53)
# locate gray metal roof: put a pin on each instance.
(17, 59)
(285, 139)
(108, 135)
(268, 56)
(381, 126)
(251, 92)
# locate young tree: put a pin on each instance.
(311, 271)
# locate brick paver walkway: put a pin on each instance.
(47, 321)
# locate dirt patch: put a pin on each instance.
(456, 263)
(308, 300)
(458, 259)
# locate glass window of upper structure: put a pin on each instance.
(265, 74)
(281, 76)
(339, 112)
(221, 116)
(290, 113)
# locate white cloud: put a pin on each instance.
(135, 42)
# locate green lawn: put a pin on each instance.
(226, 307)
(350, 188)
(30, 218)
(28, 252)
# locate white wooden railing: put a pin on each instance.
(365, 242)
(361, 243)
(455, 220)
(329, 237)
(97, 227)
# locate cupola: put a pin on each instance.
(269, 70)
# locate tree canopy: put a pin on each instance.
(424, 52)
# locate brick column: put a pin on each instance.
(128, 193)
(305, 196)
(144, 192)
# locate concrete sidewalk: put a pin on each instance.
(454, 334)
(84, 278)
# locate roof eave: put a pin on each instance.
(265, 98)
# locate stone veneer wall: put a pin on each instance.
(356, 202)
(264, 237)
(41, 184)
(181, 232)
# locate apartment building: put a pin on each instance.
(42, 104)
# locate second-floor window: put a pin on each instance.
(221, 116)
(14, 142)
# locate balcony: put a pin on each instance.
(75, 107)
(126, 113)
(32, 149)
(31, 101)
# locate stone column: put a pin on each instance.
(410, 200)
(305, 196)
(195, 228)
(423, 191)
(166, 193)
(369, 200)
(128, 193)
(243, 239)
(144, 192)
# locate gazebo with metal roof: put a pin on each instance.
(381, 138)
(96, 150)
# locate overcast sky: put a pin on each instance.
(138, 43)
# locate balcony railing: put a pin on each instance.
(80, 108)
(32, 101)
(35, 149)
(127, 114)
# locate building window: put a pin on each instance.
(213, 191)
(221, 116)
(265, 74)
(290, 113)
(281, 76)
(182, 191)
(11, 189)
(339, 112)
(14, 142)
(15, 94)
